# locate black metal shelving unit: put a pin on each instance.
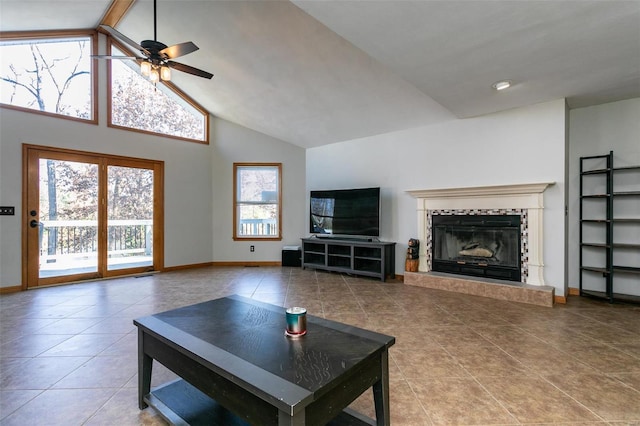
(597, 226)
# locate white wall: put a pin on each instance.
(231, 144)
(188, 216)
(596, 131)
(198, 185)
(522, 145)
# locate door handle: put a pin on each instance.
(34, 223)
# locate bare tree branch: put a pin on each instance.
(45, 76)
(38, 80)
(15, 83)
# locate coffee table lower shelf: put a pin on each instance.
(181, 404)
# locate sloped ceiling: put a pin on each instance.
(315, 72)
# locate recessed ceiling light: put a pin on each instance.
(501, 85)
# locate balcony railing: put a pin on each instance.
(72, 245)
(59, 238)
(258, 227)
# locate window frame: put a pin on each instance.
(113, 42)
(45, 35)
(237, 203)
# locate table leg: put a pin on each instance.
(284, 419)
(381, 393)
(145, 364)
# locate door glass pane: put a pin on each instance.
(129, 217)
(68, 221)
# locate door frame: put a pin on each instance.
(30, 201)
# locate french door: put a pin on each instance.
(89, 216)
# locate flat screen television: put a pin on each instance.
(345, 212)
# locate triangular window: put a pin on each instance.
(49, 74)
(136, 103)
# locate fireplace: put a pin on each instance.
(477, 245)
(522, 200)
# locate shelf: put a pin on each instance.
(610, 227)
(614, 245)
(316, 248)
(313, 258)
(627, 169)
(616, 297)
(367, 252)
(626, 193)
(599, 245)
(357, 257)
(595, 269)
(368, 265)
(626, 269)
(339, 261)
(596, 172)
(615, 194)
(626, 246)
(621, 269)
(181, 403)
(339, 250)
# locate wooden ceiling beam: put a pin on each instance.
(116, 12)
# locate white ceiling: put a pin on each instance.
(314, 72)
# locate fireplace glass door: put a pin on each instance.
(477, 245)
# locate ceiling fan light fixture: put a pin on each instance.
(502, 84)
(158, 57)
(165, 73)
(154, 76)
(145, 68)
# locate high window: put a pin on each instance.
(138, 104)
(49, 73)
(257, 200)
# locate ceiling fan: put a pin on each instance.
(157, 59)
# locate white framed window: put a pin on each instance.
(137, 104)
(49, 73)
(257, 201)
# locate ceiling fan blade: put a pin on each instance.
(189, 69)
(181, 49)
(123, 38)
(114, 57)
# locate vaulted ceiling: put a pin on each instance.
(314, 72)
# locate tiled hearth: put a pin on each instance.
(495, 289)
(523, 199)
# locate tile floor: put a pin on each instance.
(68, 353)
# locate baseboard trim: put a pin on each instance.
(574, 291)
(183, 267)
(12, 289)
(17, 288)
(560, 299)
(228, 263)
(245, 263)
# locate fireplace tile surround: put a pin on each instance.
(525, 200)
(524, 246)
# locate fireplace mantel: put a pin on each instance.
(518, 196)
(480, 191)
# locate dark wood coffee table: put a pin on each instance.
(237, 367)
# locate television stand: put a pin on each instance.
(351, 256)
(333, 237)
